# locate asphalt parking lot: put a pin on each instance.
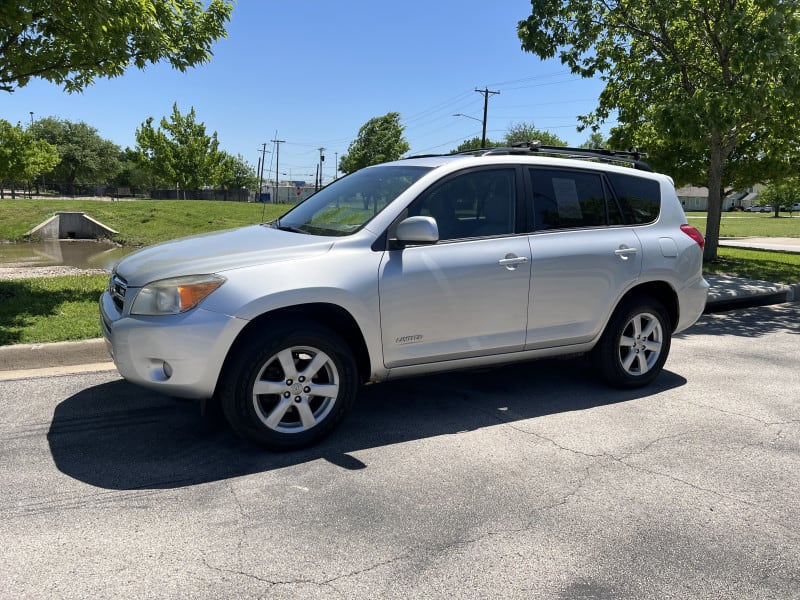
(531, 481)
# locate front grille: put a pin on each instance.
(117, 287)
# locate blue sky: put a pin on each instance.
(315, 71)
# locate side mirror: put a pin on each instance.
(417, 230)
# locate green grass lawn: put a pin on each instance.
(50, 309)
(777, 267)
(139, 222)
(764, 265)
(742, 224)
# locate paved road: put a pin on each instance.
(522, 482)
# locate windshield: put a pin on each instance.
(346, 205)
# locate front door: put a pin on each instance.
(466, 295)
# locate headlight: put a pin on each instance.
(174, 296)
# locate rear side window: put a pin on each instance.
(639, 198)
(565, 199)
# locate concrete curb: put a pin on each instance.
(728, 292)
(58, 354)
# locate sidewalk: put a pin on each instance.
(783, 244)
(33, 360)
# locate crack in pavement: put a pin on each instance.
(624, 459)
(745, 416)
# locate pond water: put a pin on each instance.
(84, 254)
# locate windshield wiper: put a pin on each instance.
(287, 227)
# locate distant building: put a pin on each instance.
(696, 198)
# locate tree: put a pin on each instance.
(72, 43)
(517, 132)
(595, 140)
(527, 132)
(472, 144)
(22, 157)
(780, 194)
(133, 175)
(235, 173)
(702, 84)
(475, 144)
(379, 140)
(179, 151)
(86, 157)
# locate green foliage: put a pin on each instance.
(475, 144)
(85, 156)
(22, 157)
(72, 43)
(527, 132)
(784, 193)
(179, 151)
(518, 132)
(132, 174)
(379, 140)
(708, 89)
(596, 140)
(235, 173)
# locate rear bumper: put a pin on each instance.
(692, 300)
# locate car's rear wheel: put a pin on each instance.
(290, 387)
(635, 344)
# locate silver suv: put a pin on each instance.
(416, 266)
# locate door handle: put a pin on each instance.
(512, 261)
(625, 252)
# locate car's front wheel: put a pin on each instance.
(635, 344)
(289, 388)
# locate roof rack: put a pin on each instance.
(630, 157)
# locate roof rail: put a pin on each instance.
(631, 157)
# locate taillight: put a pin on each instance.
(694, 234)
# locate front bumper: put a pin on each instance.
(179, 355)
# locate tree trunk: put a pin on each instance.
(716, 165)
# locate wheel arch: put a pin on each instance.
(332, 316)
(658, 290)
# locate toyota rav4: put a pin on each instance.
(411, 267)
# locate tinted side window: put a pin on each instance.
(563, 199)
(474, 204)
(639, 198)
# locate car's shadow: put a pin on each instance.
(753, 321)
(119, 436)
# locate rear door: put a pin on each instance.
(583, 257)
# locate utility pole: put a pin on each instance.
(277, 159)
(336, 165)
(321, 160)
(485, 91)
(261, 169)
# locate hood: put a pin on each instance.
(218, 251)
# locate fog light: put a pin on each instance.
(167, 370)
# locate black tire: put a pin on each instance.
(635, 344)
(290, 387)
